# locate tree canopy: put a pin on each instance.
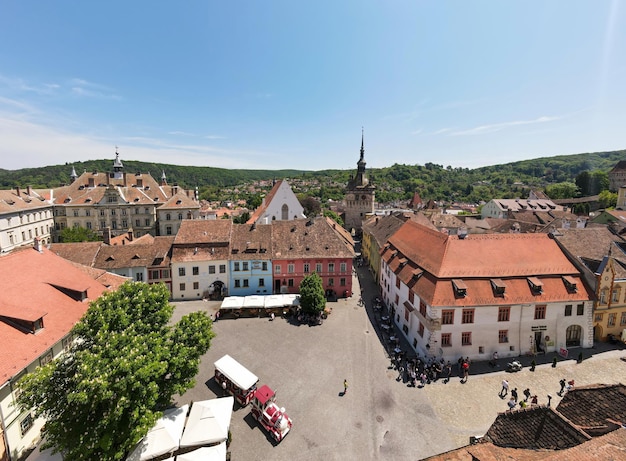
(312, 300)
(78, 234)
(126, 363)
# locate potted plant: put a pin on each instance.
(533, 364)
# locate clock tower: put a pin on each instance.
(359, 196)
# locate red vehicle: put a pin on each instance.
(273, 419)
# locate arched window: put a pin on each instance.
(573, 335)
(284, 212)
(168, 217)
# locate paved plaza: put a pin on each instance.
(379, 418)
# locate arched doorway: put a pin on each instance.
(597, 332)
(573, 336)
(217, 290)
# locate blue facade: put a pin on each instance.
(250, 277)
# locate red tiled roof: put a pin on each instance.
(476, 260)
(481, 255)
(198, 231)
(39, 286)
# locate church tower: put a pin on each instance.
(359, 196)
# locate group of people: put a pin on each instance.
(421, 370)
(514, 401)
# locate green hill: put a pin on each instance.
(396, 182)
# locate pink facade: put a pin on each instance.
(336, 274)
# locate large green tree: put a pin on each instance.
(126, 363)
(78, 234)
(312, 300)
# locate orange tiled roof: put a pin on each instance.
(133, 188)
(39, 288)
(11, 202)
(427, 261)
(180, 200)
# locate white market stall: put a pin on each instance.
(214, 453)
(163, 438)
(208, 422)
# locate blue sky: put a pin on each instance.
(289, 84)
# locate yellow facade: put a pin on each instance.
(609, 316)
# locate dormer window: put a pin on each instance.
(460, 289)
(498, 287)
(403, 262)
(536, 285)
(570, 283)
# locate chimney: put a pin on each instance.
(107, 236)
(38, 245)
(19, 192)
(29, 190)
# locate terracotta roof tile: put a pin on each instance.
(251, 241)
(536, 427)
(178, 201)
(590, 407)
(308, 238)
(197, 231)
(476, 260)
(41, 284)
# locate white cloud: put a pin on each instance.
(500, 126)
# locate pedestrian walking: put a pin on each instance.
(512, 403)
(526, 394)
(505, 388)
(345, 386)
(466, 366)
(562, 383)
(514, 394)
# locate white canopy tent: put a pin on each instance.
(163, 438)
(254, 301)
(260, 301)
(208, 422)
(232, 302)
(214, 453)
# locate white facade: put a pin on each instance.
(21, 428)
(280, 205)
(500, 208)
(199, 279)
(424, 325)
(23, 218)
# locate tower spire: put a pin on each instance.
(362, 144)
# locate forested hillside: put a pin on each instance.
(396, 182)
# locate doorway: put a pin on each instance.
(539, 346)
